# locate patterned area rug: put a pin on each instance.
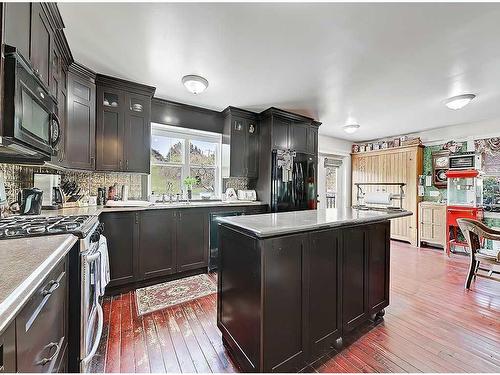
(160, 296)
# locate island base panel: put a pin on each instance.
(285, 301)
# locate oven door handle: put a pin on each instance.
(100, 323)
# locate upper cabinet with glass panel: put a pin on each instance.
(136, 104)
(111, 100)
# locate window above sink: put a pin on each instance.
(177, 153)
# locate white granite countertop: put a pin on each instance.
(97, 210)
(267, 225)
(24, 262)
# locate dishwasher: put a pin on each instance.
(214, 237)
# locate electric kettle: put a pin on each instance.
(30, 201)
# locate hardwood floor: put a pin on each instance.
(432, 325)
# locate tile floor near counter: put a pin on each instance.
(431, 325)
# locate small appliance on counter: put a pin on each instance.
(50, 184)
(231, 195)
(247, 195)
(29, 202)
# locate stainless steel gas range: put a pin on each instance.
(88, 273)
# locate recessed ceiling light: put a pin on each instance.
(194, 83)
(459, 101)
(351, 128)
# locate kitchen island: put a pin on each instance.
(290, 285)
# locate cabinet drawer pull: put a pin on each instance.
(52, 286)
(44, 361)
(46, 293)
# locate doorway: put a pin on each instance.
(330, 181)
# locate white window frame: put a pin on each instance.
(188, 135)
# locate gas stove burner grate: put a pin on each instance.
(25, 226)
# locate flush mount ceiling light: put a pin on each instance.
(351, 128)
(194, 83)
(459, 101)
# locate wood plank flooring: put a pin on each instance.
(431, 325)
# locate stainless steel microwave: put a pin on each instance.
(463, 161)
(31, 127)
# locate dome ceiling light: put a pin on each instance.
(194, 83)
(459, 101)
(351, 128)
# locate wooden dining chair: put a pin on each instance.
(475, 233)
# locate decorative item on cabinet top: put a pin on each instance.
(386, 144)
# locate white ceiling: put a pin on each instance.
(386, 66)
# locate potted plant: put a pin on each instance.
(189, 182)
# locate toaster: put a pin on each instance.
(247, 195)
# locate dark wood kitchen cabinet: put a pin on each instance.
(123, 136)
(33, 29)
(79, 134)
(157, 243)
(8, 349)
(298, 136)
(290, 131)
(61, 59)
(192, 239)
(137, 133)
(284, 301)
(283, 298)
(323, 263)
(365, 293)
(121, 231)
(378, 267)
(354, 282)
(149, 244)
(17, 26)
(312, 138)
(241, 132)
(28, 29)
(41, 43)
(42, 325)
(109, 135)
(281, 133)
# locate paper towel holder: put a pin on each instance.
(360, 195)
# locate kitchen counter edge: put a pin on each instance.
(97, 210)
(15, 301)
(300, 228)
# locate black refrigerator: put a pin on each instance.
(293, 181)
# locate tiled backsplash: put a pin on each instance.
(18, 177)
(238, 183)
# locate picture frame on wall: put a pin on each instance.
(397, 142)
